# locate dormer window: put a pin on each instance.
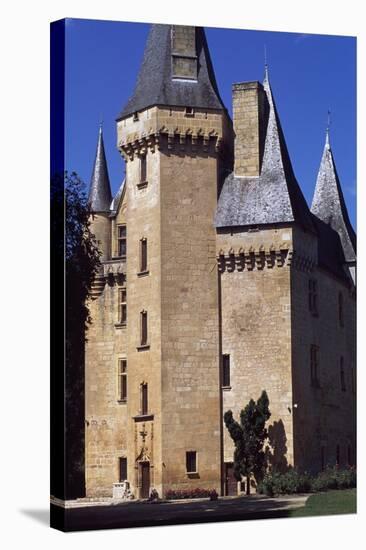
(135, 116)
(189, 112)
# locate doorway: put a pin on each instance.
(145, 479)
(231, 485)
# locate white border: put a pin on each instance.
(25, 272)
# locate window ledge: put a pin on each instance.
(193, 475)
(120, 325)
(226, 388)
(143, 273)
(122, 401)
(142, 184)
(143, 347)
(143, 417)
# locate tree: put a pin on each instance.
(249, 436)
(75, 251)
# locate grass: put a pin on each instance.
(332, 502)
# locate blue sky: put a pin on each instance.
(309, 74)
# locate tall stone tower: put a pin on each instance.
(172, 134)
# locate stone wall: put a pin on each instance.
(190, 337)
(325, 415)
(256, 328)
(105, 430)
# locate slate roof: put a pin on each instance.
(329, 205)
(330, 251)
(117, 199)
(155, 85)
(100, 195)
(274, 196)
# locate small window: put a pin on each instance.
(135, 116)
(122, 380)
(122, 468)
(143, 169)
(189, 112)
(121, 240)
(313, 296)
(340, 310)
(143, 323)
(143, 255)
(343, 379)
(338, 454)
(314, 365)
(144, 398)
(122, 306)
(191, 462)
(226, 371)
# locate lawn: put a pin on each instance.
(332, 502)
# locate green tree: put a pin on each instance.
(249, 436)
(75, 248)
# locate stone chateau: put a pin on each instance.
(217, 282)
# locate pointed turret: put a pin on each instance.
(100, 195)
(329, 205)
(272, 196)
(176, 71)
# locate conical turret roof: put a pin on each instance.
(158, 82)
(329, 205)
(100, 195)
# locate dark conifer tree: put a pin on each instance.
(249, 436)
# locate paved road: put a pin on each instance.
(139, 514)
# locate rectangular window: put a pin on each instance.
(122, 380)
(343, 379)
(143, 255)
(191, 462)
(122, 469)
(144, 399)
(314, 365)
(121, 240)
(143, 169)
(122, 306)
(189, 112)
(313, 296)
(143, 322)
(226, 370)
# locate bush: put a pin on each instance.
(292, 481)
(173, 494)
(279, 484)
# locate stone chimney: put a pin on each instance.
(250, 112)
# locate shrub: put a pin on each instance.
(292, 481)
(175, 494)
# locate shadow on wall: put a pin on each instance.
(277, 449)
